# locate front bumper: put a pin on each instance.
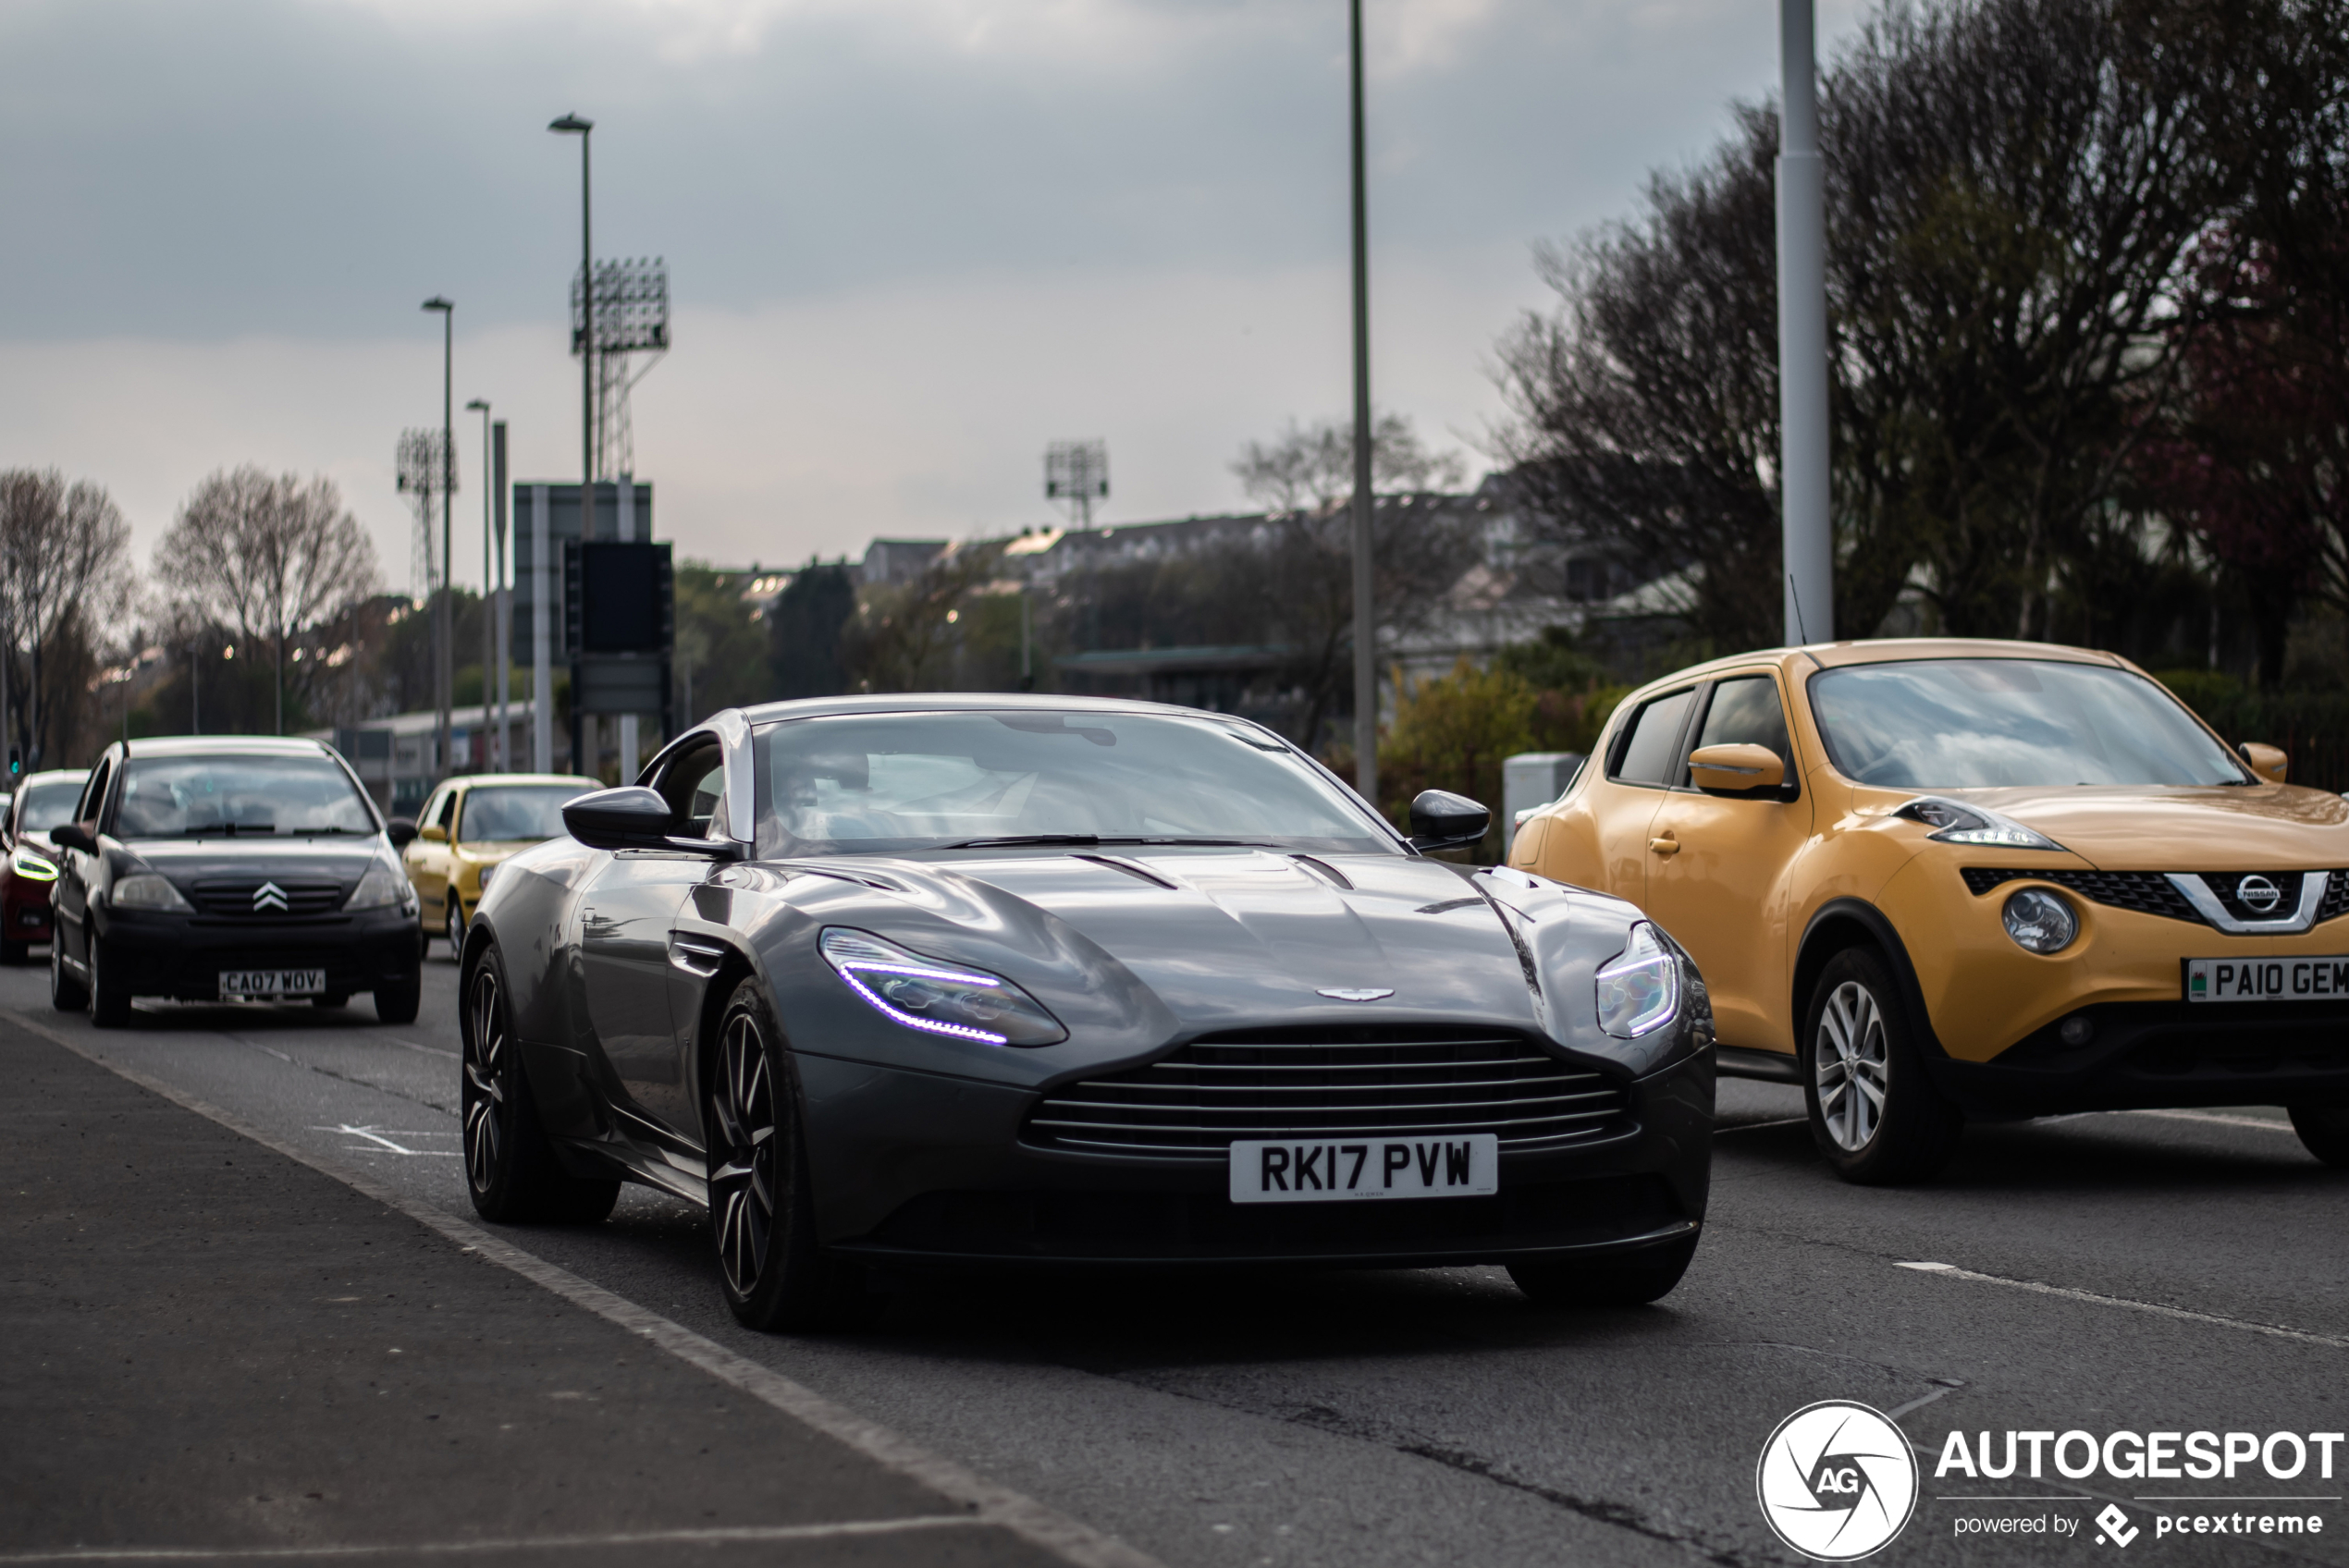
(181, 956)
(2144, 1054)
(24, 909)
(916, 1167)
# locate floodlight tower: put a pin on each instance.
(423, 466)
(631, 317)
(1077, 474)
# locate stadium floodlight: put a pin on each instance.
(1077, 474)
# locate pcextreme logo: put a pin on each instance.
(1837, 1481)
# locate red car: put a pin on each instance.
(40, 802)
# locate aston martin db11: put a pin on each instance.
(931, 980)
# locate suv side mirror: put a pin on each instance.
(2268, 761)
(1442, 820)
(401, 831)
(1741, 769)
(74, 835)
(634, 817)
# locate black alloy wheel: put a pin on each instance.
(2324, 1131)
(109, 986)
(1632, 1279)
(511, 1169)
(761, 1215)
(66, 993)
(1875, 1114)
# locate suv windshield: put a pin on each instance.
(885, 783)
(46, 805)
(1954, 723)
(172, 796)
(510, 813)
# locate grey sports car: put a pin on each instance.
(1020, 979)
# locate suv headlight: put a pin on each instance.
(2040, 922)
(381, 888)
(1639, 988)
(31, 866)
(965, 1004)
(1956, 823)
(144, 890)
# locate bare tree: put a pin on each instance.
(1312, 467)
(64, 573)
(269, 554)
(902, 636)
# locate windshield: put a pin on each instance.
(1954, 723)
(168, 796)
(507, 813)
(890, 782)
(46, 805)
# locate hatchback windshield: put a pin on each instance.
(508, 813)
(172, 796)
(46, 805)
(1953, 724)
(891, 782)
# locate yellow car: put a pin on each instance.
(470, 825)
(1929, 879)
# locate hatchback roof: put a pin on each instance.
(223, 746)
(960, 701)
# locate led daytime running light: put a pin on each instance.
(938, 999)
(850, 968)
(31, 867)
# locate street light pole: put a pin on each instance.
(1806, 527)
(442, 630)
(572, 125)
(1365, 612)
(488, 604)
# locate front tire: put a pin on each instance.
(66, 993)
(399, 1001)
(2324, 1131)
(453, 924)
(511, 1169)
(109, 987)
(1875, 1114)
(762, 1216)
(1625, 1279)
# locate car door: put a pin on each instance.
(69, 900)
(625, 916)
(1624, 797)
(1717, 876)
(427, 856)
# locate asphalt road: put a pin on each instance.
(2142, 1272)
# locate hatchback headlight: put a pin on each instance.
(481, 882)
(1639, 988)
(965, 1004)
(2040, 922)
(31, 866)
(380, 889)
(144, 890)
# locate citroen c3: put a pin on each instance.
(1933, 879)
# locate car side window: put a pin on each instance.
(446, 818)
(93, 794)
(1744, 711)
(1648, 748)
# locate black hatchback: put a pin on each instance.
(218, 868)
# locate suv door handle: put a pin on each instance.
(1666, 845)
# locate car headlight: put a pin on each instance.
(381, 888)
(1956, 823)
(965, 1004)
(1639, 988)
(144, 890)
(482, 881)
(31, 866)
(2040, 922)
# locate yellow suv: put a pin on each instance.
(1925, 880)
(467, 828)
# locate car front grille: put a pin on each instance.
(2151, 892)
(1322, 1083)
(235, 895)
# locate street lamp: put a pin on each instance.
(442, 632)
(488, 593)
(1365, 612)
(572, 125)
(1806, 530)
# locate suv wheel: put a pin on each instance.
(1875, 1114)
(2324, 1131)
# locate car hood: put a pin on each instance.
(2262, 828)
(1240, 936)
(186, 860)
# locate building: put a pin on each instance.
(394, 756)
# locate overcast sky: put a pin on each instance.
(909, 241)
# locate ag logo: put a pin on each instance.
(1837, 1481)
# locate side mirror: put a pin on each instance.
(634, 817)
(1442, 820)
(74, 835)
(432, 833)
(2268, 761)
(1736, 770)
(401, 831)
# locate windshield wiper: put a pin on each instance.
(310, 831)
(1209, 843)
(224, 829)
(1018, 839)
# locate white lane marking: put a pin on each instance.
(714, 1535)
(1045, 1528)
(1951, 1272)
(1898, 1411)
(429, 1050)
(377, 1136)
(2262, 1123)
